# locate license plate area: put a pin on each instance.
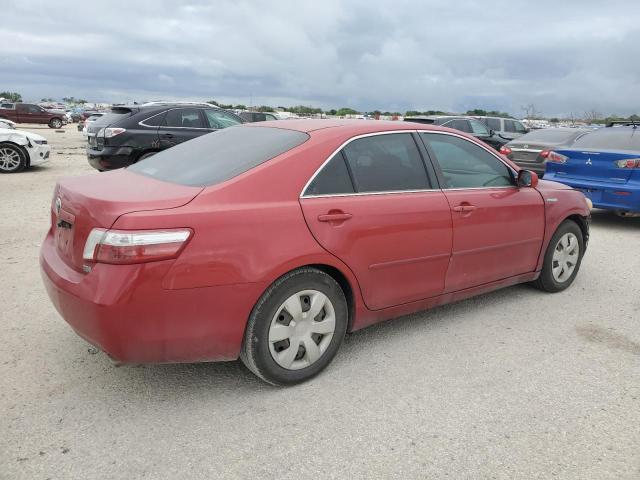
(64, 233)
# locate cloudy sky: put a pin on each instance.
(562, 56)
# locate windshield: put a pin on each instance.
(611, 138)
(219, 156)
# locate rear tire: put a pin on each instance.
(55, 123)
(13, 159)
(562, 259)
(296, 327)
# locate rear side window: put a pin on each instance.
(219, 156)
(466, 165)
(519, 127)
(332, 179)
(386, 163)
(183, 118)
(461, 125)
(478, 128)
(509, 126)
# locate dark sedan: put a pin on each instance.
(530, 151)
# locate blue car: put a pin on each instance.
(604, 165)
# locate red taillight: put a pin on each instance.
(126, 247)
(544, 153)
(505, 150)
(556, 158)
(628, 163)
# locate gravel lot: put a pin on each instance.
(515, 384)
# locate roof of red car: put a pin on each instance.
(354, 126)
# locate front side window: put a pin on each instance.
(386, 163)
(509, 126)
(183, 118)
(34, 109)
(519, 127)
(478, 128)
(221, 119)
(333, 179)
(466, 165)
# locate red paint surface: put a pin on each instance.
(399, 252)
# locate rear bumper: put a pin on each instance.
(111, 158)
(609, 196)
(123, 310)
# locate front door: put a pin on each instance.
(498, 228)
(373, 207)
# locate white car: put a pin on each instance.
(19, 149)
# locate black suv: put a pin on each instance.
(464, 124)
(257, 116)
(133, 132)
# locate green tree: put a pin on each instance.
(11, 96)
(265, 108)
(346, 111)
(240, 107)
(333, 111)
(477, 111)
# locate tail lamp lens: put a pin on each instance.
(110, 132)
(628, 163)
(557, 157)
(122, 247)
(544, 153)
(505, 150)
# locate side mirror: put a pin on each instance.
(527, 178)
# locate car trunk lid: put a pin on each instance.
(83, 203)
(594, 165)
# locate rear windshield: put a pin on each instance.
(117, 114)
(550, 135)
(219, 156)
(611, 138)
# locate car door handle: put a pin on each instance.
(465, 207)
(334, 217)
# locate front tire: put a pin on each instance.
(562, 259)
(296, 327)
(55, 123)
(12, 158)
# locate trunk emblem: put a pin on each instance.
(525, 146)
(588, 162)
(58, 205)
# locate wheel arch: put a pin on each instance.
(583, 223)
(27, 156)
(344, 283)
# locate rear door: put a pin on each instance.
(374, 207)
(180, 125)
(498, 228)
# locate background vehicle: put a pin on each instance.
(82, 126)
(130, 133)
(257, 116)
(604, 165)
(20, 149)
(183, 269)
(506, 127)
(31, 113)
(531, 149)
(464, 124)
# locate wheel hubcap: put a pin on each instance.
(565, 257)
(302, 329)
(9, 159)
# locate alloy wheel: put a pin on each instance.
(302, 329)
(9, 159)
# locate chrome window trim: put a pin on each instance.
(395, 192)
(529, 150)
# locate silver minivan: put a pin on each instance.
(505, 127)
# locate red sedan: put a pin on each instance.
(270, 241)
